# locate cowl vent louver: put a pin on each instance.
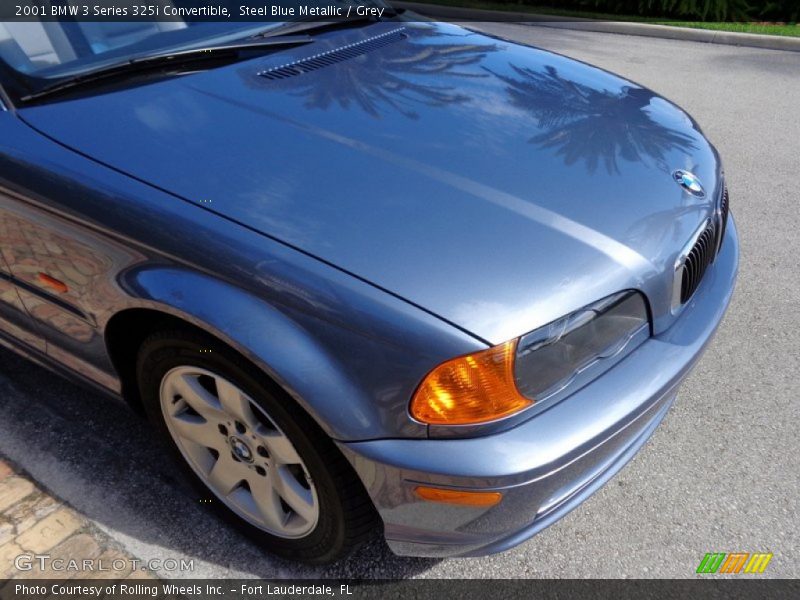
(324, 59)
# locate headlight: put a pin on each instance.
(505, 379)
(551, 356)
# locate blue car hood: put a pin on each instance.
(496, 185)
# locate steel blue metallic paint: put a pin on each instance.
(349, 228)
(388, 343)
(495, 139)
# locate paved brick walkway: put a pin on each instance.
(32, 522)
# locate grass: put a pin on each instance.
(791, 30)
(762, 28)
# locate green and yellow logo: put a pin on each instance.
(735, 562)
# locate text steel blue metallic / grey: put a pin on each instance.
(383, 275)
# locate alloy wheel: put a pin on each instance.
(239, 452)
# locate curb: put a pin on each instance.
(728, 38)
(34, 522)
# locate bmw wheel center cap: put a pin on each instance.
(241, 450)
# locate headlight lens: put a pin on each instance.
(550, 357)
(505, 379)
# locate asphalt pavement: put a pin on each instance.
(721, 474)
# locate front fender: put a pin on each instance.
(355, 384)
(349, 352)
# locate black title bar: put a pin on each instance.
(417, 589)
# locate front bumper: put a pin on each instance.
(549, 464)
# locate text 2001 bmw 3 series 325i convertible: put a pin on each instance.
(375, 274)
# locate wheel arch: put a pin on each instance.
(263, 335)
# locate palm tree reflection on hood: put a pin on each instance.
(400, 77)
(592, 125)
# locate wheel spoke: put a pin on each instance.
(235, 403)
(281, 449)
(225, 475)
(198, 430)
(199, 398)
(295, 495)
(267, 502)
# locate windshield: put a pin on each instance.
(42, 51)
(57, 49)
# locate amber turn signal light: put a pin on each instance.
(53, 283)
(475, 388)
(463, 497)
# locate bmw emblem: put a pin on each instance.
(689, 182)
(241, 450)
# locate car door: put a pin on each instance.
(65, 272)
(17, 328)
(65, 277)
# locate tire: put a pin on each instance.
(313, 509)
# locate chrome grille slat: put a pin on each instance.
(723, 216)
(697, 261)
(698, 254)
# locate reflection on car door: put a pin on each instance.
(16, 326)
(65, 271)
